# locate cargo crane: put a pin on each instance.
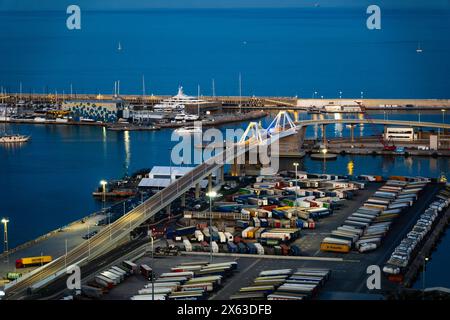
(387, 146)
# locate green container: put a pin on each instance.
(244, 191)
(288, 202)
(272, 242)
(13, 275)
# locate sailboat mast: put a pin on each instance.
(143, 89)
(198, 100)
(240, 93)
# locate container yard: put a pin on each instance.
(267, 217)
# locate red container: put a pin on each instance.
(237, 239)
(284, 249)
(201, 226)
(397, 278)
(269, 207)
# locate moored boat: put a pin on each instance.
(13, 138)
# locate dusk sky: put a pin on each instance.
(139, 4)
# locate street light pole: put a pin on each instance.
(296, 182)
(324, 151)
(153, 272)
(210, 231)
(423, 277)
(103, 183)
(89, 240)
(5, 239)
(212, 194)
(65, 256)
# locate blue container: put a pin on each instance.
(277, 214)
(214, 236)
(241, 224)
(295, 250)
(263, 222)
(170, 233)
(251, 248)
(232, 248)
(242, 248)
(299, 223)
(185, 231)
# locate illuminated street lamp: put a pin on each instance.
(211, 195)
(324, 152)
(443, 115)
(5, 222)
(103, 184)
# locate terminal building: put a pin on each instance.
(162, 176)
(399, 134)
(97, 110)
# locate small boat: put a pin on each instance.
(6, 138)
(14, 138)
(188, 130)
(191, 117)
(419, 49)
(180, 116)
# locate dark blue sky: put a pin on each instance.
(140, 4)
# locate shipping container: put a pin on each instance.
(333, 247)
(33, 261)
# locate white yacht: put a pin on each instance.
(13, 138)
(6, 138)
(191, 117)
(186, 117)
(177, 103)
(188, 130)
(180, 116)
